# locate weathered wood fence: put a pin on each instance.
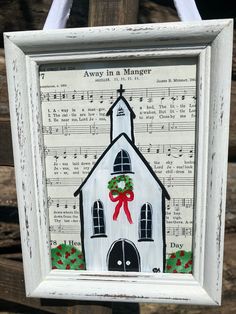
(101, 12)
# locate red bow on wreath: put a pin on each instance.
(123, 198)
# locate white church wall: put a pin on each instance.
(146, 190)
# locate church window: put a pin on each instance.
(120, 112)
(122, 162)
(98, 220)
(145, 223)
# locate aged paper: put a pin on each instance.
(75, 99)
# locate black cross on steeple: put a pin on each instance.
(121, 90)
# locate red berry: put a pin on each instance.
(186, 265)
(174, 271)
(173, 256)
(59, 247)
(80, 256)
(60, 262)
(58, 254)
(54, 267)
(169, 267)
(73, 261)
(73, 250)
(67, 266)
(181, 253)
(178, 263)
(81, 266)
(190, 262)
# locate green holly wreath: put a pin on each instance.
(113, 184)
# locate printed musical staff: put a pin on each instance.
(179, 202)
(174, 150)
(65, 202)
(64, 181)
(177, 181)
(179, 231)
(65, 229)
(167, 181)
(73, 202)
(111, 94)
(96, 129)
(75, 229)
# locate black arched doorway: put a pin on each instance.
(123, 256)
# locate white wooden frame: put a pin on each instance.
(211, 42)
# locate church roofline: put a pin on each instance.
(165, 193)
(109, 112)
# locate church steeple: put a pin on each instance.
(121, 115)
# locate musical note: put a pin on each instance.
(94, 129)
(90, 96)
(101, 99)
(63, 95)
(149, 148)
(149, 128)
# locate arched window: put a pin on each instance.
(122, 162)
(98, 220)
(145, 224)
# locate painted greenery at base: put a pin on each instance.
(179, 262)
(66, 256)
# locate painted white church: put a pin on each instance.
(123, 228)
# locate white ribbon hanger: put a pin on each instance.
(60, 12)
(187, 10)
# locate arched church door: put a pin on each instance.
(123, 256)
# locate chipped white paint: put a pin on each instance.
(211, 43)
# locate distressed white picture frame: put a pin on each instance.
(211, 43)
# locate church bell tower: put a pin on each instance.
(121, 115)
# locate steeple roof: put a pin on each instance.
(139, 154)
(121, 97)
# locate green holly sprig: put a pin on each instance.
(66, 256)
(179, 262)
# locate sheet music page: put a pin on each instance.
(75, 99)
